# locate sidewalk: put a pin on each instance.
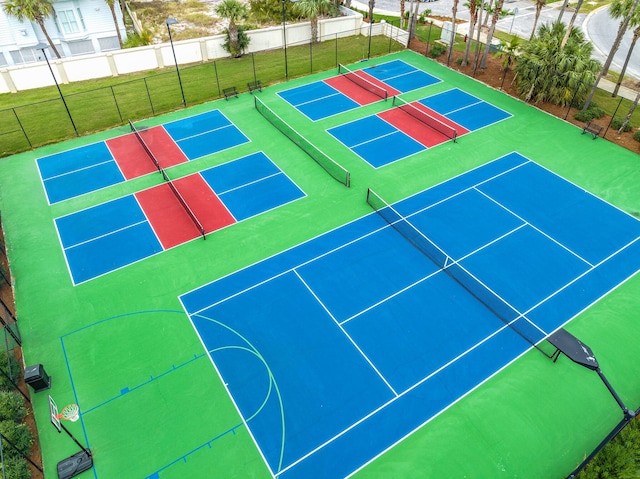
(624, 92)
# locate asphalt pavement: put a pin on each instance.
(598, 26)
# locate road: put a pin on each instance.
(598, 26)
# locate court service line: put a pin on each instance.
(317, 99)
(463, 107)
(536, 228)
(206, 132)
(583, 275)
(399, 75)
(389, 402)
(249, 183)
(304, 263)
(347, 335)
(80, 169)
(375, 139)
(106, 234)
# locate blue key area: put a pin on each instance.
(82, 181)
(73, 160)
(195, 125)
(212, 141)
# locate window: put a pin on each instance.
(108, 43)
(26, 55)
(3, 62)
(68, 21)
(81, 47)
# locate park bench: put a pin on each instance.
(592, 128)
(229, 92)
(254, 85)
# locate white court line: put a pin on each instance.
(355, 345)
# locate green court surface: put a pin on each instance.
(152, 404)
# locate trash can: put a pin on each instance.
(36, 377)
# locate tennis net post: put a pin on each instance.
(429, 120)
(363, 82)
(478, 290)
(328, 164)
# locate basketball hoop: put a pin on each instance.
(70, 412)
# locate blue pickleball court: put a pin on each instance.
(401, 76)
(341, 347)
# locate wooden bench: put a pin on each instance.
(229, 92)
(592, 128)
(254, 85)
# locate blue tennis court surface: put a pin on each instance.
(401, 76)
(205, 134)
(339, 348)
(112, 235)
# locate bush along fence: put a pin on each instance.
(36, 124)
(16, 439)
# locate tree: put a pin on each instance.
(508, 51)
(372, 4)
(562, 9)
(571, 22)
(545, 72)
(454, 11)
(33, 11)
(311, 9)
(401, 13)
(473, 19)
(539, 5)
(233, 10)
(112, 6)
(494, 19)
(620, 9)
(628, 117)
(614, 48)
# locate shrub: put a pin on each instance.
(19, 435)
(636, 135)
(437, 50)
(596, 110)
(12, 406)
(584, 115)
(16, 468)
(617, 123)
(14, 371)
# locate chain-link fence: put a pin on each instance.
(37, 124)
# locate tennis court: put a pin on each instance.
(339, 320)
(396, 360)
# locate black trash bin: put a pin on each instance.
(36, 377)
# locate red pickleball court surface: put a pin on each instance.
(134, 161)
(359, 93)
(171, 222)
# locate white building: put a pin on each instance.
(77, 27)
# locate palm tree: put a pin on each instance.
(631, 110)
(311, 9)
(401, 13)
(562, 9)
(571, 22)
(33, 11)
(454, 11)
(496, 16)
(112, 6)
(473, 19)
(614, 48)
(620, 9)
(372, 4)
(234, 11)
(539, 5)
(545, 72)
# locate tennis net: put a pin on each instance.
(362, 82)
(144, 146)
(426, 118)
(329, 165)
(172, 187)
(478, 290)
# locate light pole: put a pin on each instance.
(41, 47)
(284, 39)
(172, 21)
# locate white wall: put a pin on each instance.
(36, 75)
